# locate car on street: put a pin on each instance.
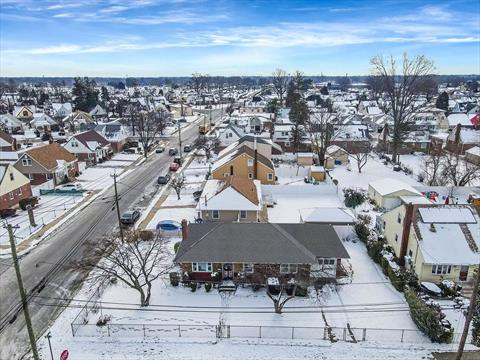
(187, 148)
(182, 120)
(177, 160)
(172, 151)
(71, 187)
(174, 167)
(163, 179)
(169, 225)
(129, 217)
(160, 149)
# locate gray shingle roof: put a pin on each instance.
(260, 243)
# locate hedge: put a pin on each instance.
(427, 318)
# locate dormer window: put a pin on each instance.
(26, 161)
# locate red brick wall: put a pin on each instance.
(6, 202)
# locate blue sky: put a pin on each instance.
(231, 37)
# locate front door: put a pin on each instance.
(463, 273)
(227, 271)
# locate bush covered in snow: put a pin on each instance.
(353, 197)
(476, 322)
(427, 318)
(362, 231)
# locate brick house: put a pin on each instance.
(14, 186)
(47, 162)
(252, 252)
(462, 139)
(7, 142)
(89, 146)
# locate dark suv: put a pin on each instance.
(162, 180)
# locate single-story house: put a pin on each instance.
(43, 163)
(14, 186)
(473, 155)
(89, 146)
(386, 192)
(10, 123)
(252, 252)
(231, 199)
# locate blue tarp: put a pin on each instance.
(169, 225)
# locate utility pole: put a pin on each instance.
(117, 206)
(28, 321)
(468, 319)
(180, 138)
(48, 336)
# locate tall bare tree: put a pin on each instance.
(208, 145)
(400, 86)
(137, 262)
(177, 184)
(458, 171)
(280, 81)
(149, 125)
(431, 168)
(361, 158)
(320, 128)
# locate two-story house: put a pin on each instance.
(14, 186)
(89, 146)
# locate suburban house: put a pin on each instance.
(42, 122)
(252, 252)
(232, 199)
(89, 146)
(47, 162)
(229, 134)
(115, 133)
(473, 155)
(7, 142)
(246, 163)
(98, 112)
(354, 138)
(10, 124)
(60, 111)
(338, 154)
(387, 192)
(437, 242)
(263, 145)
(76, 120)
(462, 139)
(14, 186)
(23, 113)
(459, 118)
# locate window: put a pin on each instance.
(12, 177)
(25, 113)
(284, 268)
(243, 214)
(250, 175)
(396, 237)
(26, 161)
(399, 219)
(293, 268)
(288, 268)
(441, 269)
(202, 267)
(270, 176)
(248, 268)
(226, 174)
(326, 262)
(250, 162)
(19, 191)
(48, 176)
(215, 214)
(30, 176)
(10, 195)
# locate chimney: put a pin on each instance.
(184, 229)
(457, 134)
(407, 222)
(255, 158)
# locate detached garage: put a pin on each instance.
(386, 192)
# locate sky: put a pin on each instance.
(115, 38)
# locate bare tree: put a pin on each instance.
(177, 184)
(320, 129)
(149, 125)
(280, 82)
(458, 171)
(138, 261)
(431, 168)
(362, 157)
(401, 88)
(281, 297)
(209, 145)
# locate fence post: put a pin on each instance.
(228, 331)
(260, 332)
(143, 330)
(344, 334)
(179, 331)
(73, 331)
(403, 331)
(293, 332)
(108, 329)
(324, 333)
(364, 335)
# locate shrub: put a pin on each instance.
(353, 197)
(176, 246)
(193, 286)
(145, 235)
(32, 201)
(208, 287)
(301, 290)
(427, 318)
(375, 249)
(476, 323)
(174, 278)
(103, 320)
(362, 231)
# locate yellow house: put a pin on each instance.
(23, 113)
(386, 192)
(246, 163)
(317, 172)
(437, 242)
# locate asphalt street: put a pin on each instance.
(49, 269)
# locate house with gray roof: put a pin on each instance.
(252, 252)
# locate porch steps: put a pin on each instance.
(227, 286)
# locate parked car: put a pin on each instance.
(160, 149)
(187, 148)
(397, 168)
(129, 217)
(174, 167)
(182, 120)
(197, 194)
(129, 151)
(172, 151)
(162, 180)
(168, 225)
(4, 213)
(177, 160)
(71, 187)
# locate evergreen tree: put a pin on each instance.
(84, 93)
(442, 101)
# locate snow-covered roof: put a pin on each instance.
(388, 186)
(327, 215)
(474, 151)
(447, 215)
(415, 200)
(459, 118)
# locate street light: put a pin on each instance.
(48, 336)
